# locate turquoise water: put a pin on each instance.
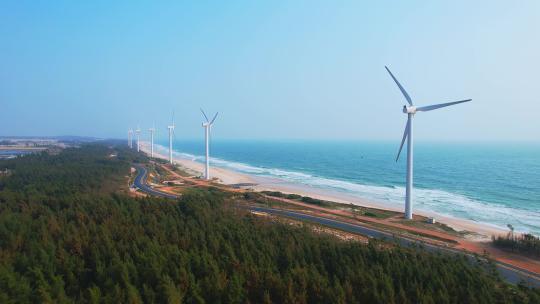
(497, 184)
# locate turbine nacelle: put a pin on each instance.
(208, 122)
(409, 109)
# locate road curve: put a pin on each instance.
(140, 182)
(510, 273)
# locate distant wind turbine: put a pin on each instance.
(410, 110)
(152, 130)
(207, 125)
(138, 131)
(171, 133)
(130, 138)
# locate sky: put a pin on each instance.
(273, 69)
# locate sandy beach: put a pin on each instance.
(229, 177)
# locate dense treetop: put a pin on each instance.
(68, 234)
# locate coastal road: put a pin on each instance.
(140, 182)
(509, 272)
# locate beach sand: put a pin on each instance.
(482, 232)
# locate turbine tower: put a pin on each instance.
(138, 131)
(171, 133)
(130, 138)
(207, 125)
(410, 110)
(152, 130)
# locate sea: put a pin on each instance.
(491, 183)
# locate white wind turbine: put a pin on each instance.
(410, 110)
(207, 125)
(130, 138)
(138, 131)
(152, 130)
(171, 133)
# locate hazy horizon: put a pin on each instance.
(275, 71)
(145, 137)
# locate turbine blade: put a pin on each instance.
(215, 116)
(204, 115)
(405, 134)
(442, 105)
(400, 87)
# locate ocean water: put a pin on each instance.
(492, 183)
(7, 154)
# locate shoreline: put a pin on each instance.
(229, 177)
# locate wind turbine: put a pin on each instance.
(138, 131)
(171, 132)
(130, 138)
(207, 125)
(410, 110)
(152, 130)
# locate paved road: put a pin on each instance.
(507, 271)
(140, 182)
